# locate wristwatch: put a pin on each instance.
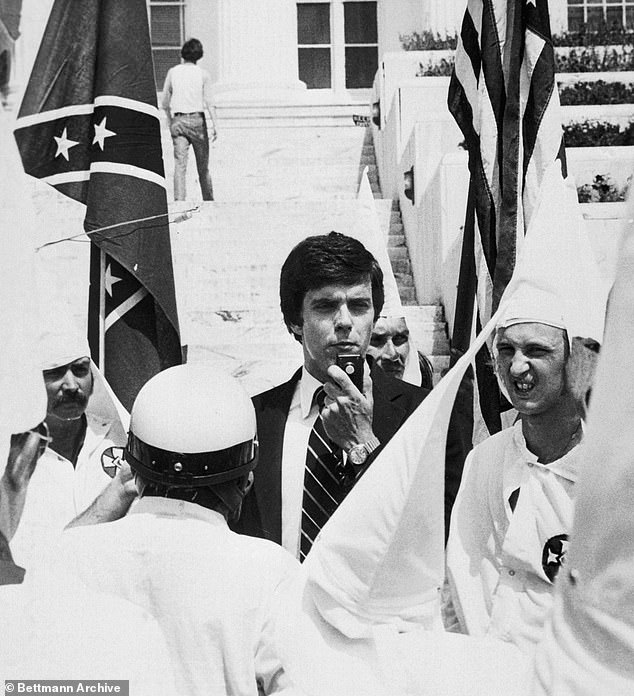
(359, 453)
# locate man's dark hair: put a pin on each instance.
(327, 259)
(192, 50)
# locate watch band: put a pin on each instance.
(371, 444)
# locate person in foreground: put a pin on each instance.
(192, 446)
(510, 524)
(57, 628)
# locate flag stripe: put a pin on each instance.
(86, 109)
(66, 177)
(54, 115)
(128, 170)
(504, 98)
(124, 103)
(124, 307)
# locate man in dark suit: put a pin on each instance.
(331, 291)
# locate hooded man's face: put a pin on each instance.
(531, 361)
(68, 388)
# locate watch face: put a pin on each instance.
(358, 455)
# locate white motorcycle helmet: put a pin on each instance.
(192, 426)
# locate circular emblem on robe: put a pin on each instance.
(111, 460)
(554, 555)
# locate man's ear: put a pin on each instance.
(298, 331)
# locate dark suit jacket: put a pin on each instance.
(261, 516)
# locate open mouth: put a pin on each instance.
(523, 387)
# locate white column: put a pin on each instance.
(257, 50)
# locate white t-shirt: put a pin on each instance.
(189, 88)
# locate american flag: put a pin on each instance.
(89, 126)
(503, 95)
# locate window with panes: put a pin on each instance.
(167, 31)
(337, 43)
(593, 14)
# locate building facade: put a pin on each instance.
(285, 50)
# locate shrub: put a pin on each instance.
(604, 35)
(591, 60)
(602, 190)
(428, 41)
(598, 134)
(443, 68)
(597, 92)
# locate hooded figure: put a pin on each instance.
(73, 471)
(510, 524)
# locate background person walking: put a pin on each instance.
(186, 93)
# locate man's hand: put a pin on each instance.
(26, 449)
(112, 503)
(347, 414)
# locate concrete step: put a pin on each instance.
(398, 253)
(395, 240)
(279, 175)
(407, 295)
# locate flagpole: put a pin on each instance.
(102, 310)
(96, 305)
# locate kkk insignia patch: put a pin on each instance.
(111, 460)
(554, 555)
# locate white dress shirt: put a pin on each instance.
(301, 417)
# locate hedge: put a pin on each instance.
(597, 92)
(591, 60)
(584, 61)
(598, 134)
(602, 36)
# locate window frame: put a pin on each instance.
(156, 47)
(586, 5)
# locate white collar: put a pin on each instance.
(567, 466)
(308, 385)
(172, 507)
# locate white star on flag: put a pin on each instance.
(64, 144)
(101, 133)
(109, 280)
(532, 2)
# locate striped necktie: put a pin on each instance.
(325, 482)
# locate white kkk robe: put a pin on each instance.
(501, 563)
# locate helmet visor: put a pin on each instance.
(187, 470)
